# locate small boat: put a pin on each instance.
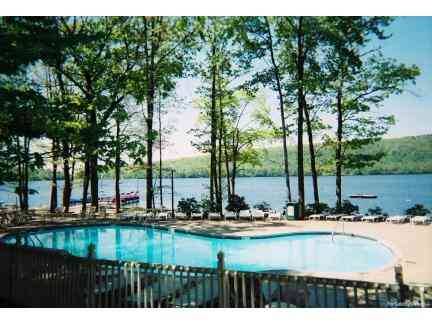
(128, 198)
(363, 196)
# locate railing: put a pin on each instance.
(46, 278)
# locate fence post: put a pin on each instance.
(399, 280)
(221, 272)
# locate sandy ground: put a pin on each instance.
(411, 244)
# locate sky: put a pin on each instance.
(411, 43)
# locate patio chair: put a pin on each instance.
(213, 215)
(424, 220)
(229, 215)
(334, 217)
(352, 218)
(245, 214)
(257, 214)
(181, 215)
(397, 219)
(372, 218)
(317, 217)
(197, 216)
(161, 216)
(274, 215)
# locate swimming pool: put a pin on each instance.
(310, 252)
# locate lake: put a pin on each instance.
(395, 193)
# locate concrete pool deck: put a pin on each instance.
(412, 244)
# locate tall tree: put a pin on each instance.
(360, 79)
(165, 45)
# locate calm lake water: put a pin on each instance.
(395, 193)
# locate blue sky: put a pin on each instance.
(411, 43)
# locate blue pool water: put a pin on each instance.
(316, 252)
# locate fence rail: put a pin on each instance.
(37, 277)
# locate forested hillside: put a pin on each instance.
(411, 154)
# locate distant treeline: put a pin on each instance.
(406, 155)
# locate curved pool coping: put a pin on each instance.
(397, 256)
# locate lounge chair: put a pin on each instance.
(372, 218)
(229, 215)
(161, 215)
(317, 217)
(197, 216)
(181, 215)
(274, 215)
(213, 215)
(424, 220)
(257, 214)
(245, 214)
(352, 218)
(397, 219)
(334, 217)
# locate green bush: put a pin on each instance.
(311, 209)
(417, 210)
(236, 203)
(264, 206)
(346, 208)
(188, 206)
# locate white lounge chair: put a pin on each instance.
(274, 215)
(161, 215)
(213, 215)
(229, 215)
(424, 220)
(351, 218)
(334, 217)
(257, 214)
(181, 215)
(371, 218)
(397, 219)
(245, 214)
(196, 216)
(317, 217)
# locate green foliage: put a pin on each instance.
(264, 206)
(375, 211)
(236, 203)
(346, 208)
(188, 205)
(417, 210)
(311, 209)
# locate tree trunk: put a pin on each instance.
(53, 200)
(149, 170)
(312, 160)
(220, 142)
(117, 168)
(26, 173)
(67, 188)
(338, 157)
(20, 173)
(160, 155)
(85, 184)
(301, 104)
(213, 179)
(282, 111)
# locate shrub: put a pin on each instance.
(236, 203)
(206, 205)
(375, 211)
(417, 210)
(310, 209)
(346, 208)
(264, 206)
(188, 206)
